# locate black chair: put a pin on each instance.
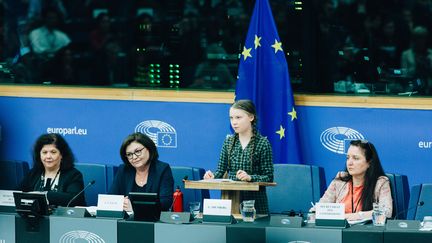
(11, 173)
(420, 203)
(101, 174)
(297, 186)
(400, 194)
(189, 195)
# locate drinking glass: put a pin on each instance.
(378, 215)
(194, 208)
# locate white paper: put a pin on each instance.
(221, 207)
(7, 198)
(110, 202)
(330, 210)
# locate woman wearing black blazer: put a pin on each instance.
(142, 171)
(53, 171)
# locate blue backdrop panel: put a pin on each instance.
(96, 128)
(191, 134)
(396, 133)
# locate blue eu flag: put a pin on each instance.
(263, 78)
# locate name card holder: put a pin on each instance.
(332, 223)
(110, 206)
(111, 214)
(217, 211)
(331, 215)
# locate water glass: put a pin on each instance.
(378, 215)
(310, 217)
(427, 222)
(194, 208)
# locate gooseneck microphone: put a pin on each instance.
(419, 204)
(79, 193)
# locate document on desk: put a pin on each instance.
(218, 180)
(360, 221)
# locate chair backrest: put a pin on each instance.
(400, 194)
(12, 173)
(420, 203)
(111, 172)
(97, 172)
(297, 186)
(189, 195)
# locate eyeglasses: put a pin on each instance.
(137, 153)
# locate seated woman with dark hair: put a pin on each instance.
(142, 171)
(361, 184)
(53, 171)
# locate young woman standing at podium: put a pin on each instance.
(53, 171)
(246, 155)
(142, 171)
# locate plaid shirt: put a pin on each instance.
(260, 169)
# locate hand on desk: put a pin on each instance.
(208, 175)
(127, 206)
(243, 175)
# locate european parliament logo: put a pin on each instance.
(336, 139)
(80, 235)
(163, 134)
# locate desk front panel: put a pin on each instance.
(363, 233)
(305, 234)
(7, 228)
(190, 233)
(397, 236)
(66, 229)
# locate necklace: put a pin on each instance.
(46, 186)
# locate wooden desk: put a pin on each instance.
(230, 189)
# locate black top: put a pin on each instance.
(69, 185)
(159, 180)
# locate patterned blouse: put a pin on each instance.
(259, 166)
(338, 189)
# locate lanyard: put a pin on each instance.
(43, 187)
(353, 210)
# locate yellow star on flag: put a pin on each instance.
(281, 132)
(257, 41)
(277, 46)
(293, 114)
(246, 53)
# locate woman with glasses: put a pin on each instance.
(142, 171)
(361, 184)
(53, 172)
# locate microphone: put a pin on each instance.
(75, 197)
(419, 204)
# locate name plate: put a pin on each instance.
(330, 211)
(110, 202)
(219, 207)
(217, 211)
(7, 198)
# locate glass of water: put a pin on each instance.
(378, 215)
(194, 208)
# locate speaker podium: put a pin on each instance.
(229, 190)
